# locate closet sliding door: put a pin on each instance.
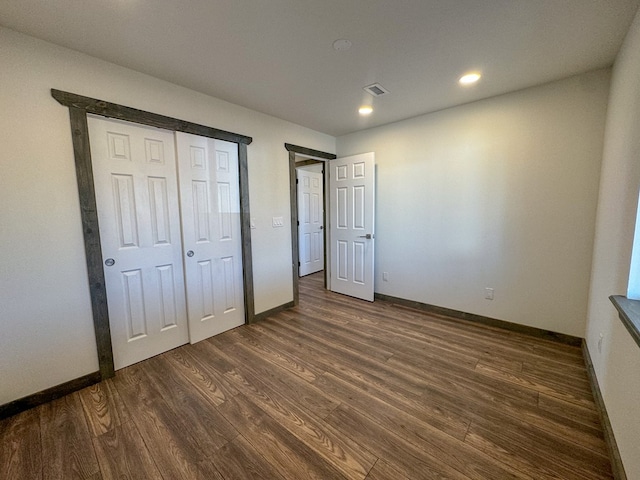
(210, 201)
(168, 211)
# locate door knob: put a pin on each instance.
(109, 262)
(368, 236)
(190, 253)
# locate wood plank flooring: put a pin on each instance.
(335, 388)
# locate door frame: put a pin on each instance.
(79, 106)
(313, 156)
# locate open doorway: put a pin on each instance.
(310, 194)
(300, 157)
(349, 217)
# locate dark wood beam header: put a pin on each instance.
(309, 151)
(113, 110)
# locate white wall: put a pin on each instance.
(499, 193)
(45, 314)
(618, 364)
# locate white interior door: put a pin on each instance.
(210, 203)
(134, 170)
(352, 183)
(310, 221)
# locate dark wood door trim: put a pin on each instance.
(91, 233)
(320, 157)
(309, 152)
(245, 232)
(79, 107)
(113, 110)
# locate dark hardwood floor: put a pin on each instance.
(335, 388)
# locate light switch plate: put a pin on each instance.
(278, 222)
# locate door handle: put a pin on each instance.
(109, 262)
(368, 236)
(190, 253)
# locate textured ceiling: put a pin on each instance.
(276, 56)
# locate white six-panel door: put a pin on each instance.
(136, 186)
(310, 220)
(352, 182)
(210, 202)
(171, 243)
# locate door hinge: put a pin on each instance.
(297, 181)
(298, 264)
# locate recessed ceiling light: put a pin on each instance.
(342, 44)
(469, 78)
(365, 110)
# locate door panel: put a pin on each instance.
(310, 221)
(342, 260)
(210, 205)
(352, 183)
(228, 275)
(134, 304)
(167, 281)
(135, 178)
(359, 261)
(159, 204)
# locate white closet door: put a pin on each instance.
(210, 204)
(134, 169)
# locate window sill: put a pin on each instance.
(629, 312)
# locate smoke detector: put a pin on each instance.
(376, 90)
(342, 44)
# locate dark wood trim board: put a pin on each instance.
(113, 110)
(91, 233)
(280, 308)
(245, 232)
(48, 395)
(610, 439)
(295, 250)
(310, 152)
(493, 322)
